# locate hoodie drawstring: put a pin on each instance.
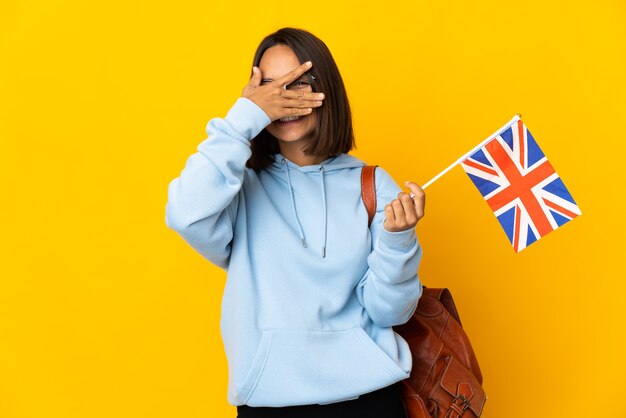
(325, 212)
(293, 203)
(295, 212)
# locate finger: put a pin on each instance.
(390, 217)
(255, 80)
(300, 103)
(409, 208)
(419, 198)
(398, 212)
(294, 74)
(294, 111)
(290, 94)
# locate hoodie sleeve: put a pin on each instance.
(202, 201)
(390, 289)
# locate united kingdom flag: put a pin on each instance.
(522, 188)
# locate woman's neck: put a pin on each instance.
(294, 153)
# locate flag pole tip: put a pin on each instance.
(519, 115)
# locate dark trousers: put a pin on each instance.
(382, 403)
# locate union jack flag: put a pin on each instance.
(522, 188)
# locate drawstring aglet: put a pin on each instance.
(323, 252)
(303, 242)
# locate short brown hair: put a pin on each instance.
(333, 133)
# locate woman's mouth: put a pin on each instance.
(289, 119)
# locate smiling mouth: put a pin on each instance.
(289, 119)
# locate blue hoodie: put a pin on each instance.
(311, 292)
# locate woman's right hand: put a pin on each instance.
(279, 102)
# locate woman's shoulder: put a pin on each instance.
(386, 187)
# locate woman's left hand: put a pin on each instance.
(404, 212)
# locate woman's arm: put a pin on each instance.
(390, 289)
(202, 201)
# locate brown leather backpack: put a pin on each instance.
(445, 381)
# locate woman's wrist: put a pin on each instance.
(247, 118)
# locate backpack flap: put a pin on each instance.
(464, 390)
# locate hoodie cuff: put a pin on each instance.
(247, 118)
(401, 240)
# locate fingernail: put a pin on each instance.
(309, 63)
(407, 182)
(254, 69)
(321, 95)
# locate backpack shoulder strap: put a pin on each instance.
(368, 191)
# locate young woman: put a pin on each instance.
(312, 293)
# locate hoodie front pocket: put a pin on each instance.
(257, 367)
(294, 367)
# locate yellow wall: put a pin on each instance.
(104, 312)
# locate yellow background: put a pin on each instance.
(104, 312)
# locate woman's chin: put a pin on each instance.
(290, 134)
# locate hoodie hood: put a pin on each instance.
(338, 162)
